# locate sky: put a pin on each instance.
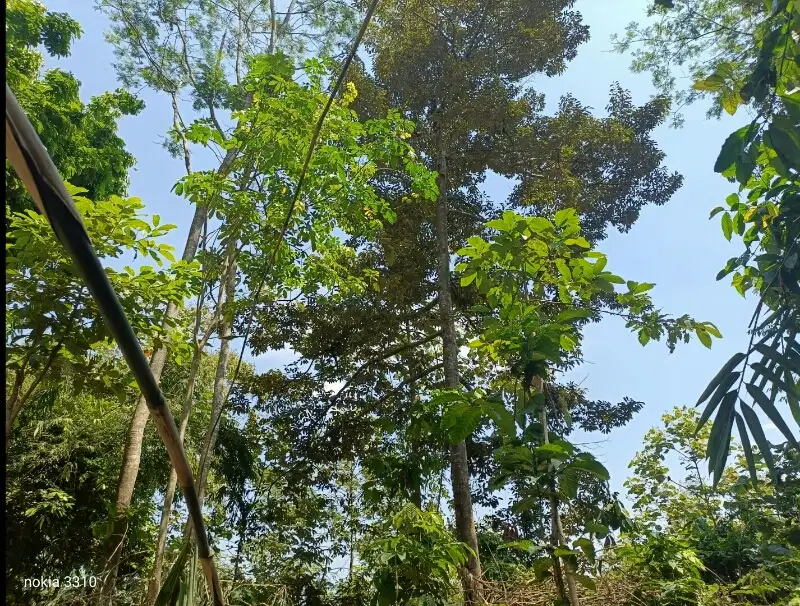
(675, 246)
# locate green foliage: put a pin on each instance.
(51, 316)
(697, 543)
(415, 557)
(81, 138)
(763, 158)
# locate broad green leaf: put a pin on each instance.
(468, 279)
(598, 529)
(731, 150)
(713, 83)
(587, 582)
(704, 337)
(594, 467)
(525, 504)
(562, 552)
(727, 226)
(785, 140)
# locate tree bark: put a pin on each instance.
(132, 455)
(220, 383)
(556, 530)
(459, 468)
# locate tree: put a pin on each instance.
(536, 282)
(171, 47)
(445, 64)
(52, 319)
(81, 138)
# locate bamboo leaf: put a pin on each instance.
(769, 409)
(746, 446)
(792, 397)
(719, 442)
(723, 372)
(169, 592)
(758, 435)
(722, 389)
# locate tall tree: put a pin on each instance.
(205, 47)
(444, 64)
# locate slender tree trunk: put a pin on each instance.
(220, 383)
(459, 468)
(351, 519)
(132, 454)
(19, 379)
(416, 495)
(556, 529)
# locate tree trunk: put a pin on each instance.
(556, 530)
(459, 468)
(220, 383)
(11, 403)
(169, 493)
(132, 454)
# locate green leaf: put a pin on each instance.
(563, 269)
(785, 140)
(713, 83)
(583, 580)
(592, 466)
(746, 447)
(598, 529)
(730, 101)
(573, 314)
(498, 224)
(547, 451)
(525, 504)
(704, 337)
(731, 150)
(721, 389)
(169, 590)
(769, 409)
(468, 279)
(715, 211)
(719, 442)
(735, 360)
(525, 545)
(727, 226)
(156, 220)
(758, 435)
(792, 397)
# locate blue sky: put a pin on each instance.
(674, 246)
